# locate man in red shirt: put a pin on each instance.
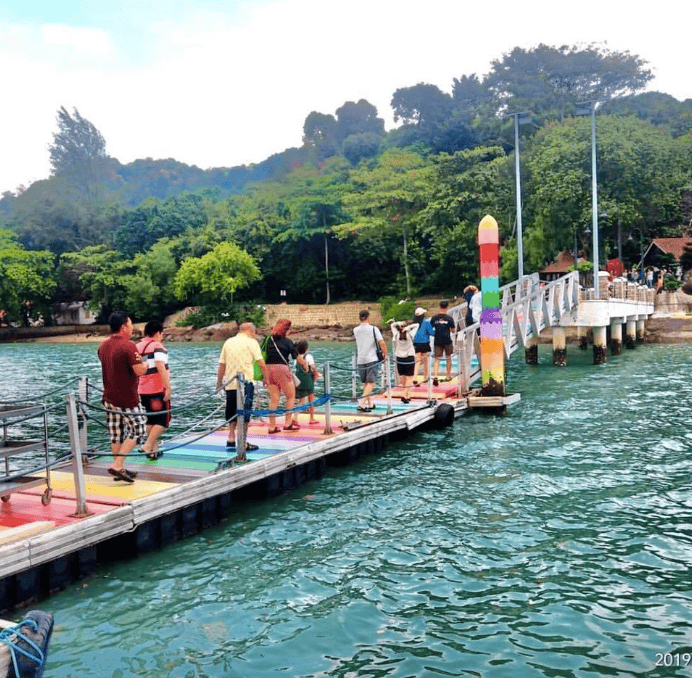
(121, 367)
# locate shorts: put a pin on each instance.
(280, 375)
(369, 372)
(405, 366)
(447, 350)
(155, 404)
(232, 402)
(423, 347)
(125, 423)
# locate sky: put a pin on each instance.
(219, 83)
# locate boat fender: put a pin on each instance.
(29, 666)
(444, 416)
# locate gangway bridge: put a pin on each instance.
(529, 306)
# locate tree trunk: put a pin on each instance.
(326, 259)
(406, 271)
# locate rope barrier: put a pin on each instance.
(37, 469)
(41, 396)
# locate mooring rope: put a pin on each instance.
(9, 637)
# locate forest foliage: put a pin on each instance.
(358, 212)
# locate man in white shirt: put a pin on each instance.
(237, 356)
(368, 338)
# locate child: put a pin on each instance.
(306, 389)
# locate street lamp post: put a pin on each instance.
(586, 108)
(523, 118)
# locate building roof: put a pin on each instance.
(674, 246)
(564, 261)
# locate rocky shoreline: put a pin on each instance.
(674, 329)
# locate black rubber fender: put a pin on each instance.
(444, 416)
(27, 667)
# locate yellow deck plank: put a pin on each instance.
(107, 486)
(23, 531)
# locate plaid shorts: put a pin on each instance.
(125, 423)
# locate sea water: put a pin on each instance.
(553, 541)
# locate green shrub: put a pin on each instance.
(391, 309)
(671, 284)
(208, 315)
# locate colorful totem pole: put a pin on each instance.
(492, 345)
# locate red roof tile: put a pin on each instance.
(674, 246)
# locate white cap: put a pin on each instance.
(420, 311)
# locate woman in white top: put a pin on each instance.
(405, 354)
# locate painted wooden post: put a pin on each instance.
(599, 345)
(631, 333)
(241, 426)
(531, 351)
(559, 346)
(82, 416)
(328, 404)
(492, 348)
(616, 337)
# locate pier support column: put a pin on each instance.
(631, 334)
(559, 346)
(599, 345)
(582, 334)
(531, 351)
(640, 331)
(616, 337)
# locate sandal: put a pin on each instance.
(274, 430)
(153, 456)
(293, 426)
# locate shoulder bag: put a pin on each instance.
(296, 381)
(378, 350)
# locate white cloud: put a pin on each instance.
(89, 42)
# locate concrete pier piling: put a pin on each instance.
(559, 346)
(583, 337)
(641, 327)
(531, 351)
(616, 337)
(599, 345)
(631, 334)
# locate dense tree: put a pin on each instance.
(141, 227)
(549, 80)
(211, 280)
(78, 156)
(357, 118)
(25, 275)
(388, 197)
(423, 105)
(641, 173)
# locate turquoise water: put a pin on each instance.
(554, 541)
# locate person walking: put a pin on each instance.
(237, 356)
(154, 386)
(121, 367)
(421, 343)
(279, 350)
(368, 340)
(444, 327)
(405, 354)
